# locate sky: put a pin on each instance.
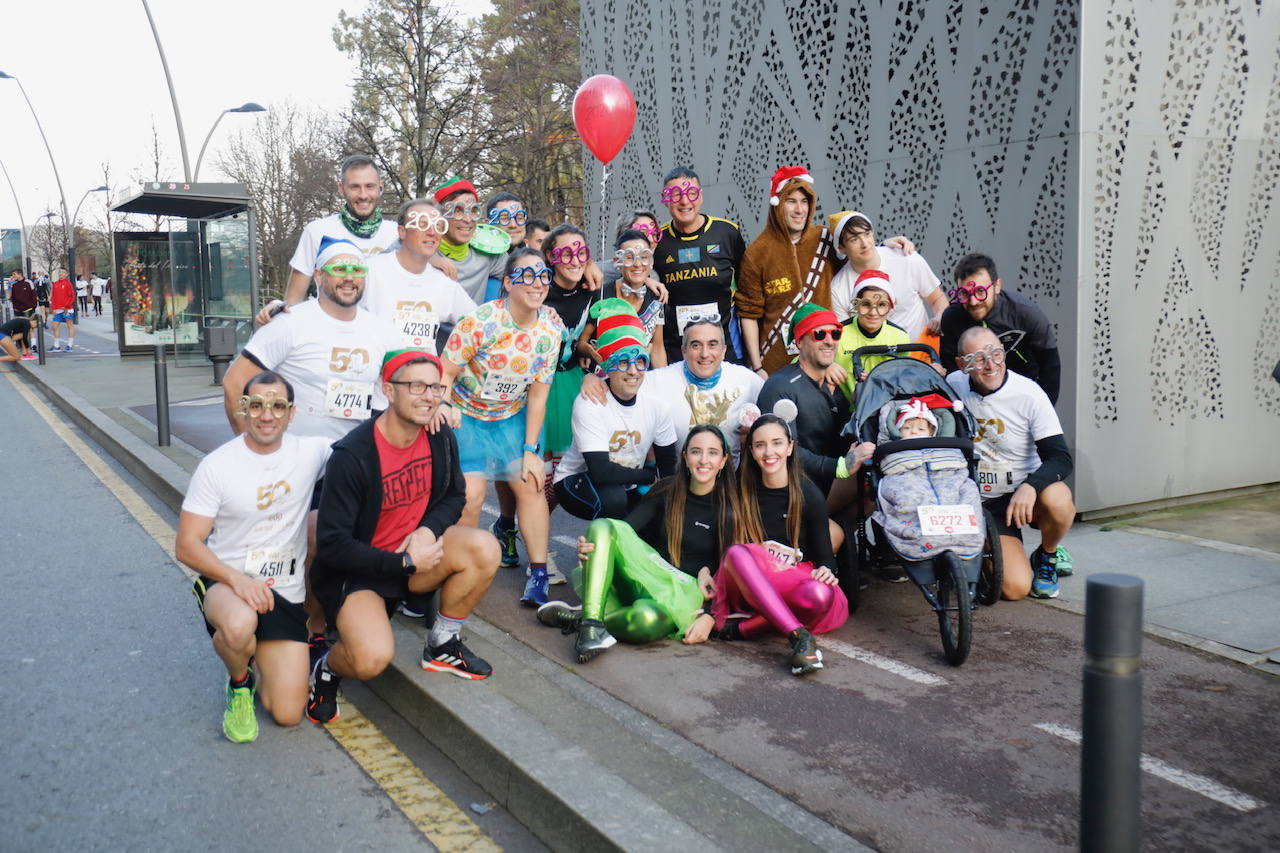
(92, 72)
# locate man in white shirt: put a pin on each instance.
(911, 281)
(1023, 461)
(243, 529)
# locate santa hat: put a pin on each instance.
(872, 278)
(331, 247)
(919, 407)
(809, 317)
(617, 328)
(451, 186)
(838, 221)
(784, 174)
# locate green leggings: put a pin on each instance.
(628, 586)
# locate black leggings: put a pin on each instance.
(580, 497)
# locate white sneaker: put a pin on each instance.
(553, 574)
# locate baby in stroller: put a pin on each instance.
(926, 500)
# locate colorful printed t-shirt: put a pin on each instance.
(500, 360)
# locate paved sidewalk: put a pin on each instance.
(551, 737)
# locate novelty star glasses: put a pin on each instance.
(969, 293)
(990, 354)
(633, 257)
(346, 270)
(508, 217)
(685, 192)
(255, 405)
(458, 210)
(531, 276)
(695, 319)
(575, 254)
(426, 220)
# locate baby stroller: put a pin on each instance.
(951, 582)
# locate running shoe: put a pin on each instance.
(560, 614)
(507, 542)
(317, 645)
(554, 577)
(806, 657)
(593, 639)
(409, 611)
(29, 357)
(1044, 582)
(454, 657)
(1062, 559)
(535, 589)
(239, 721)
(322, 704)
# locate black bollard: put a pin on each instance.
(1110, 775)
(39, 321)
(162, 398)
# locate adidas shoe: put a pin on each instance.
(593, 639)
(455, 658)
(322, 704)
(317, 645)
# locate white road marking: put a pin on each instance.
(1194, 782)
(910, 673)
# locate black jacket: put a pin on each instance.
(822, 414)
(351, 501)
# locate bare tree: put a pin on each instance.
(156, 168)
(46, 241)
(286, 160)
(416, 107)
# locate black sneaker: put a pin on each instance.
(317, 645)
(455, 658)
(806, 657)
(322, 704)
(560, 614)
(593, 639)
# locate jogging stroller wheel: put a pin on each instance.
(991, 580)
(955, 608)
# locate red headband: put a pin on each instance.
(400, 359)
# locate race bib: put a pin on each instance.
(348, 400)
(785, 557)
(685, 313)
(994, 478)
(276, 567)
(948, 520)
(417, 327)
(503, 387)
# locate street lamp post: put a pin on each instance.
(71, 248)
(249, 107)
(62, 198)
(22, 223)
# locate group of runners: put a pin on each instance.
(686, 397)
(52, 301)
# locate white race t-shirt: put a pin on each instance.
(97, 286)
(413, 305)
(910, 281)
(304, 257)
(332, 364)
(687, 405)
(625, 432)
(259, 506)
(82, 288)
(1010, 422)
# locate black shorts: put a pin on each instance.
(285, 621)
(332, 597)
(999, 508)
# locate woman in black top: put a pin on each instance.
(647, 577)
(786, 579)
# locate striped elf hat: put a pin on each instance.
(617, 328)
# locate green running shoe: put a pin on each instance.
(240, 722)
(1063, 561)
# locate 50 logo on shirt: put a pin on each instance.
(989, 427)
(267, 495)
(342, 359)
(624, 447)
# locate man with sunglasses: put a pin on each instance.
(979, 299)
(823, 410)
(697, 259)
(1023, 462)
(389, 511)
(413, 298)
(243, 529)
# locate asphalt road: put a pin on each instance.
(111, 709)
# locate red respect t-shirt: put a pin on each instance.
(406, 489)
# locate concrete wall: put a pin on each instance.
(976, 126)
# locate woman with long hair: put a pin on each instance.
(784, 578)
(648, 577)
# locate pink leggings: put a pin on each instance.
(782, 599)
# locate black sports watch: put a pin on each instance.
(406, 563)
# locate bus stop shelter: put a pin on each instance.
(172, 287)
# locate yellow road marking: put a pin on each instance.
(422, 802)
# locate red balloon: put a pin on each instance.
(604, 112)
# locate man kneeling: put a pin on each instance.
(392, 497)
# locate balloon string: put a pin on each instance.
(604, 220)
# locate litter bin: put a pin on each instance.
(220, 343)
